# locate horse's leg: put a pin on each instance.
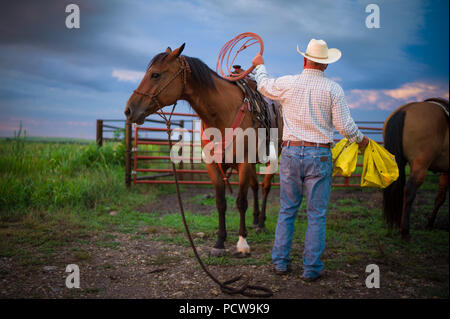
(255, 188)
(242, 246)
(440, 199)
(221, 204)
(267, 184)
(416, 179)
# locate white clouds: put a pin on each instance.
(127, 75)
(391, 99)
(416, 90)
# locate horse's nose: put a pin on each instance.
(127, 112)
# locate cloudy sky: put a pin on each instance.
(58, 81)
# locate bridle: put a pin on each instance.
(183, 71)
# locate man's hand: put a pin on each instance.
(258, 60)
(362, 145)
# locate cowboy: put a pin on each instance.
(313, 105)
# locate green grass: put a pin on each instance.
(52, 176)
(54, 195)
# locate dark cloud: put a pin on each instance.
(41, 24)
(34, 41)
(47, 68)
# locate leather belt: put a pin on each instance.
(303, 143)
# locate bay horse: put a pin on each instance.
(417, 134)
(170, 77)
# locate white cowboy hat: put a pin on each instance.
(318, 51)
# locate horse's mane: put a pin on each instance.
(201, 73)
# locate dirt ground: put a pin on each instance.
(142, 268)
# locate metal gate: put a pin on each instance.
(148, 158)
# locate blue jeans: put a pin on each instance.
(303, 169)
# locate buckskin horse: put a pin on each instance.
(416, 133)
(171, 77)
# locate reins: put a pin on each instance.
(245, 289)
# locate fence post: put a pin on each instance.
(347, 181)
(99, 133)
(128, 148)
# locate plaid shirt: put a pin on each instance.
(312, 104)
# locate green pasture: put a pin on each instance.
(55, 194)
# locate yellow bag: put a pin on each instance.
(345, 156)
(379, 168)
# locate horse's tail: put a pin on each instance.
(393, 194)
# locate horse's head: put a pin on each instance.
(162, 85)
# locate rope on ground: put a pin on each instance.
(245, 289)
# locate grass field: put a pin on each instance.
(56, 195)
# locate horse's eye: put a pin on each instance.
(155, 75)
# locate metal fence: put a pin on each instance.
(147, 158)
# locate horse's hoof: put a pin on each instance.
(241, 254)
(217, 252)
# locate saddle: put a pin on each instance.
(265, 112)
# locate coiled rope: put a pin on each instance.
(227, 49)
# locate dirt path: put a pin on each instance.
(145, 268)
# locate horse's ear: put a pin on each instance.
(176, 53)
(168, 50)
